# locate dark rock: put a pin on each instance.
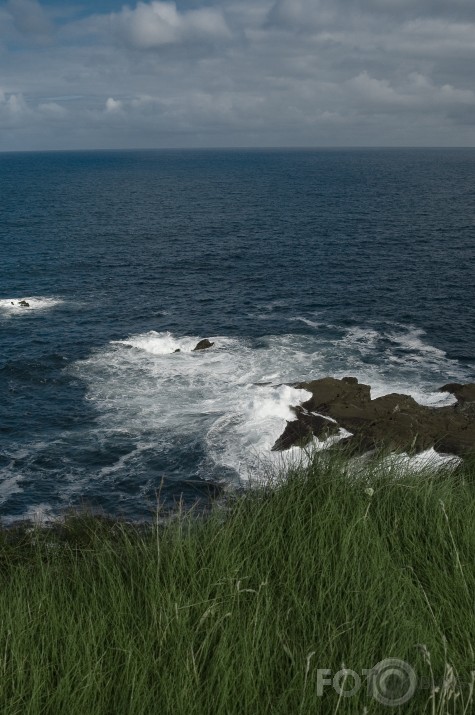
(463, 393)
(177, 350)
(24, 304)
(300, 431)
(295, 434)
(203, 345)
(393, 422)
(329, 390)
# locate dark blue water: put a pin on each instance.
(297, 263)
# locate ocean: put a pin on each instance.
(297, 264)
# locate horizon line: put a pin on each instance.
(335, 147)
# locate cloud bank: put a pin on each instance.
(228, 73)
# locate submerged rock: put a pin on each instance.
(203, 345)
(395, 422)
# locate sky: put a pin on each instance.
(236, 73)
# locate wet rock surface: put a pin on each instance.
(203, 345)
(395, 422)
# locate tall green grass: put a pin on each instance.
(237, 611)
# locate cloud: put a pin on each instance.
(12, 106)
(414, 92)
(308, 14)
(113, 105)
(52, 110)
(159, 23)
(29, 18)
(241, 73)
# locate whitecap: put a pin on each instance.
(307, 321)
(11, 307)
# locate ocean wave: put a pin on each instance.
(235, 398)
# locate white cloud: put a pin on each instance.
(113, 105)
(375, 90)
(159, 23)
(12, 107)
(414, 92)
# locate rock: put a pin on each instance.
(203, 345)
(463, 393)
(177, 350)
(300, 431)
(329, 390)
(394, 422)
(24, 304)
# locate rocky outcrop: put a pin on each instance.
(395, 422)
(203, 345)
(24, 304)
(463, 393)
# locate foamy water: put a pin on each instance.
(208, 415)
(11, 307)
(234, 396)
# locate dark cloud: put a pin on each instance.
(29, 18)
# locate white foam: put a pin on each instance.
(181, 396)
(160, 343)
(307, 321)
(362, 339)
(245, 435)
(422, 394)
(412, 341)
(398, 359)
(9, 485)
(11, 307)
(428, 460)
(40, 514)
(36, 514)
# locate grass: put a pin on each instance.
(237, 611)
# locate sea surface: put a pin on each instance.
(297, 264)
